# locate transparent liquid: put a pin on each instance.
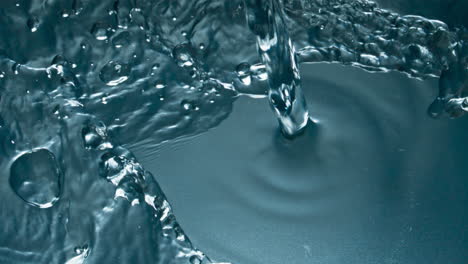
(83, 82)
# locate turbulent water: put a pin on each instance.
(82, 80)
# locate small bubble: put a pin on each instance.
(182, 53)
(159, 86)
(101, 31)
(202, 46)
(15, 68)
(81, 250)
(2, 74)
(59, 60)
(111, 166)
(114, 73)
(188, 106)
(122, 39)
(65, 13)
(195, 260)
(244, 73)
(259, 71)
(33, 24)
(94, 135)
(154, 69)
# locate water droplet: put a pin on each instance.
(114, 73)
(33, 24)
(35, 178)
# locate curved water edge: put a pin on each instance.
(102, 74)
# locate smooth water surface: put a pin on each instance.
(363, 185)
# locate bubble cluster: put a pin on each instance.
(361, 34)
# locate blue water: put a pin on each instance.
(275, 131)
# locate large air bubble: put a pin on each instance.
(35, 178)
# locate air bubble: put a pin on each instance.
(188, 106)
(94, 135)
(121, 40)
(244, 73)
(65, 13)
(259, 71)
(114, 73)
(182, 53)
(195, 260)
(154, 69)
(81, 250)
(33, 24)
(101, 31)
(35, 178)
(159, 86)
